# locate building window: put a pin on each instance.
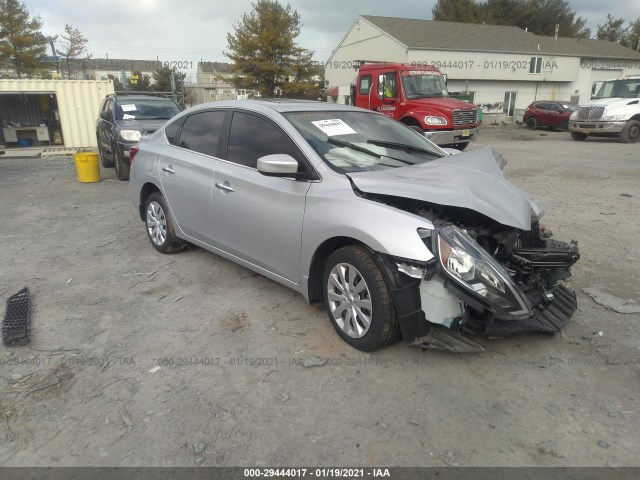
(212, 93)
(509, 103)
(535, 65)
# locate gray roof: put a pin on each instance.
(214, 67)
(436, 35)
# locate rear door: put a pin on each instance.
(258, 218)
(187, 170)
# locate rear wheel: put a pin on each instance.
(122, 168)
(358, 300)
(631, 132)
(159, 225)
(579, 136)
(532, 124)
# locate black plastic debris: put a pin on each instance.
(16, 326)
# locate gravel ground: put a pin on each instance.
(139, 358)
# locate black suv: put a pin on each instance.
(123, 119)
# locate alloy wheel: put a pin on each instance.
(349, 300)
(156, 223)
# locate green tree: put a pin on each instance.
(162, 80)
(306, 79)
(263, 48)
(72, 47)
(612, 30)
(632, 35)
(537, 16)
(465, 11)
(22, 45)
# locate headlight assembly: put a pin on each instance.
(466, 263)
(130, 135)
(432, 120)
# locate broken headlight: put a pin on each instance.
(469, 265)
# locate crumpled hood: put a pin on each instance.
(470, 180)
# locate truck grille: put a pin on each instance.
(590, 113)
(464, 117)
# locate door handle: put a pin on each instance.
(225, 186)
(168, 169)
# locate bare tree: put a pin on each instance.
(72, 46)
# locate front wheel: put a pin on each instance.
(532, 124)
(579, 136)
(565, 126)
(358, 300)
(631, 132)
(159, 225)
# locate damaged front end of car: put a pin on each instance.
(518, 288)
(487, 277)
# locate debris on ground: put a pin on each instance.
(313, 362)
(16, 327)
(611, 302)
(450, 459)
(283, 397)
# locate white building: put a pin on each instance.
(502, 68)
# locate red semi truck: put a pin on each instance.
(418, 97)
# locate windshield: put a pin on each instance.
(619, 88)
(360, 141)
(423, 84)
(146, 109)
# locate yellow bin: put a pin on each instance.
(88, 166)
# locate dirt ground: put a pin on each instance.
(232, 388)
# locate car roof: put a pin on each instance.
(278, 105)
(553, 101)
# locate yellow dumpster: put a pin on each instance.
(88, 166)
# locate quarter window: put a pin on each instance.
(171, 132)
(252, 137)
(201, 132)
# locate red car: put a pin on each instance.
(549, 113)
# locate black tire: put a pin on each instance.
(383, 329)
(532, 124)
(565, 126)
(579, 136)
(122, 168)
(106, 162)
(417, 128)
(631, 132)
(170, 243)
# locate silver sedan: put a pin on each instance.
(397, 237)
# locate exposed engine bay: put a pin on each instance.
(534, 262)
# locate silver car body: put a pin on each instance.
(276, 226)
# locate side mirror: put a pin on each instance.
(278, 165)
(381, 86)
(105, 116)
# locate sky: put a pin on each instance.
(194, 30)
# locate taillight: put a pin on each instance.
(132, 153)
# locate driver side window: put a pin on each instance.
(391, 85)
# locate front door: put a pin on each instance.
(258, 218)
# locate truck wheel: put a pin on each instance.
(579, 136)
(631, 132)
(531, 123)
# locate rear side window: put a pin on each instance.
(201, 132)
(171, 131)
(252, 137)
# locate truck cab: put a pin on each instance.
(613, 111)
(417, 97)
